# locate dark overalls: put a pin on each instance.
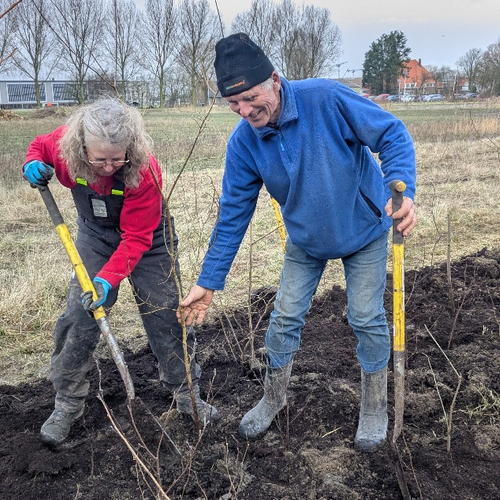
(76, 333)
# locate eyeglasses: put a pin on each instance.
(103, 163)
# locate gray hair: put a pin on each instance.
(268, 84)
(106, 121)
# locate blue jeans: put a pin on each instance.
(365, 273)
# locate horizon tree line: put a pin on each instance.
(172, 45)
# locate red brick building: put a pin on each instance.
(416, 80)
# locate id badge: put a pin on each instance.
(99, 208)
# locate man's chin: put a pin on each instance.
(257, 122)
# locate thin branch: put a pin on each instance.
(449, 416)
(10, 8)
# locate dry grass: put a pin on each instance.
(458, 154)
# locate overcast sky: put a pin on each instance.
(438, 32)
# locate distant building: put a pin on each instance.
(21, 94)
(416, 80)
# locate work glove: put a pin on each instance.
(38, 174)
(102, 288)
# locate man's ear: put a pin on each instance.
(276, 79)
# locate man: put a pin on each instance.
(310, 142)
(102, 155)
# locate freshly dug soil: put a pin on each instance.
(452, 392)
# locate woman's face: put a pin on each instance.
(106, 159)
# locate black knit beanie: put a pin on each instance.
(240, 64)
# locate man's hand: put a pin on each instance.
(102, 288)
(407, 212)
(194, 305)
(38, 174)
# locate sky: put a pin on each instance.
(438, 32)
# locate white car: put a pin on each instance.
(433, 97)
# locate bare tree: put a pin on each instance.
(470, 64)
(285, 22)
(490, 70)
(121, 41)
(445, 77)
(80, 30)
(198, 32)
(8, 27)
(307, 41)
(255, 23)
(319, 44)
(36, 55)
(158, 34)
(176, 87)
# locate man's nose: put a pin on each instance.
(245, 109)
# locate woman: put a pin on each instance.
(102, 155)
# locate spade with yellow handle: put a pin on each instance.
(86, 284)
(279, 222)
(397, 188)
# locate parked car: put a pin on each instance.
(393, 98)
(470, 95)
(409, 98)
(381, 97)
(433, 97)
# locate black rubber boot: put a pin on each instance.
(206, 412)
(373, 421)
(56, 428)
(259, 418)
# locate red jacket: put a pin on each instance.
(140, 214)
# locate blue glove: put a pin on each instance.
(38, 174)
(102, 288)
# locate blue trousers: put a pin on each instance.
(365, 274)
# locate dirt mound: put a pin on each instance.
(49, 112)
(7, 115)
(453, 361)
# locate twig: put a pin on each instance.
(461, 305)
(448, 417)
(494, 309)
(412, 466)
(134, 453)
(9, 56)
(249, 304)
(173, 258)
(172, 445)
(229, 343)
(448, 267)
(10, 8)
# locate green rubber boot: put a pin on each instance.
(373, 420)
(259, 418)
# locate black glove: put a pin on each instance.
(102, 288)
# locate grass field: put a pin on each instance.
(458, 160)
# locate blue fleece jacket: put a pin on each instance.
(318, 164)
